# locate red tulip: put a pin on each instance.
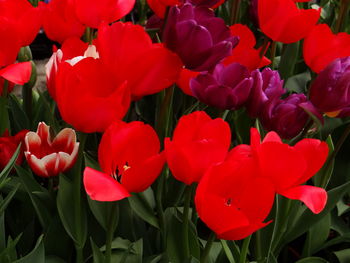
(128, 52)
(25, 19)
(47, 157)
(321, 47)
(18, 73)
(130, 161)
(282, 21)
(198, 142)
(92, 13)
(8, 146)
(72, 47)
(232, 200)
(60, 20)
(88, 95)
(288, 167)
(245, 53)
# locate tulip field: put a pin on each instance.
(182, 131)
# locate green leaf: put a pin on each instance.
(343, 255)
(321, 179)
(308, 219)
(37, 255)
(288, 60)
(4, 173)
(4, 203)
(298, 83)
(317, 235)
(312, 260)
(31, 186)
(143, 207)
(71, 210)
(175, 249)
(9, 255)
(18, 116)
(96, 252)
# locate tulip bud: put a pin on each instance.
(330, 92)
(25, 54)
(226, 88)
(287, 116)
(267, 86)
(48, 157)
(199, 38)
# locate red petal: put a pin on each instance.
(184, 80)
(18, 73)
(282, 164)
(101, 187)
(313, 197)
(315, 154)
(140, 176)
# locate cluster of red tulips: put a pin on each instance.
(160, 116)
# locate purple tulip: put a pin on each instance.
(267, 86)
(199, 38)
(226, 88)
(330, 92)
(287, 116)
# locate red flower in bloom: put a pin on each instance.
(60, 20)
(88, 95)
(92, 12)
(198, 142)
(245, 53)
(130, 161)
(20, 22)
(288, 167)
(232, 200)
(282, 21)
(8, 146)
(47, 157)
(18, 73)
(128, 52)
(72, 47)
(321, 47)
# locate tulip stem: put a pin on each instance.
(187, 203)
(112, 223)
(235, 11)
(208, 245)
(159, 205)
(344, 5)
(244, 251)
(80, 256)
(27, 94)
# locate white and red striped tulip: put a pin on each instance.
(48, 157)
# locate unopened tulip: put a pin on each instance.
(48, 157)
(199, 38)
(287, 116)
(226, 88)
(330, 92)
(267, 86)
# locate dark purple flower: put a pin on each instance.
(330, 92)
(267, 86)
(226, 88)
(199, 38)
(287, 116)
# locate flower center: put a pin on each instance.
(117, 175)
